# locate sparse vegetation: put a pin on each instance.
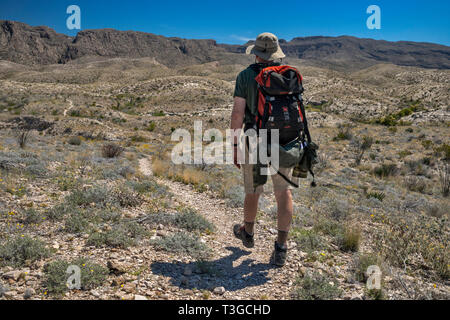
(111, 150)
(56, 276)
(22, 249)
(316, 287)
(183, 243)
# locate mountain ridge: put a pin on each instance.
(41, 45)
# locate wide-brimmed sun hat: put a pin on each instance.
(266, 47)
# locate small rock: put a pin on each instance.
(9, 294)
(95, 293)
(14, 275)
(29, 292)
(139, 297)
(356, 297)
(3, 290)
(116, 267)
(160, 227)
(129, 288)
(219, 290)
(161, 233)
(301, 271)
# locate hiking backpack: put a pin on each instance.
(280, 103)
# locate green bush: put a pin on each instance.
(21, 250)
(183, 243)
(120, 236)
(75, 141)
(316, 287)
(190, 220)
(92, 275)
(386, 170)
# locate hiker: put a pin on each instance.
(245, 113)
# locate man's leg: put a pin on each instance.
(250, 211)
(285, 211)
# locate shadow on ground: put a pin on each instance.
(216, 273)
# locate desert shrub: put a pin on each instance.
(111, 150)
(344, 132)
(349, 239)
(329, 227)
(187, 219)
(98, 195)
(183, 243)
(190, 220)
(151, 127)
(415, 243)
(361, 263)
(316, 287)
(375, 194)
(21, 250)
(138, 138)
(32, 216)
(117, 172)
(59, 211)
(74, 141)
(126, 198)
(404, 153)
(427, 144)
(386, 170)
(77, 222)
(109, 215)
(149, 186)
(235, 196)
(437, 210)
(415, 184)
(120, 236)
(443, 151)
(92, 275)
(360, 146)
(416, 167)
(307, 240)
(22, 137)
(323, 162)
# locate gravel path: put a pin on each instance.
(244, 273)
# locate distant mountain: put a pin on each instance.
(21, 43)
(347, 50)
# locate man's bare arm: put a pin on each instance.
(237, 120)
(237, 116)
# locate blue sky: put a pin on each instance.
(232, 21)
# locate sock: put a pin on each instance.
(282, 238)
(249, 227)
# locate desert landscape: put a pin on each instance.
(86, 176)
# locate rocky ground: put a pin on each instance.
(93, 180)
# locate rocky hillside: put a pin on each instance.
(354, 52)
(24, 44)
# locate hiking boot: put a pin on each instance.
(240, 233)
(279, 255)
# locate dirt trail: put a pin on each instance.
(245, 273)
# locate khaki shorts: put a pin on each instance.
(279, 184)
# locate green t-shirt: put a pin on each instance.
(246, 87)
